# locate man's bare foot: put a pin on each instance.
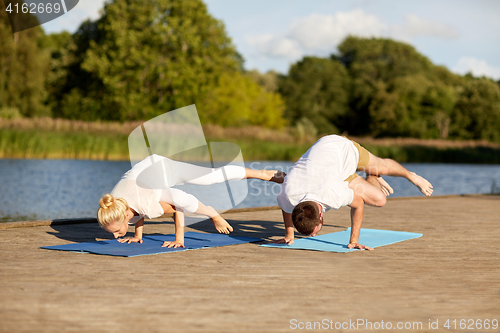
(273, 176)
(423, 184)
(221, 225)
(386, 188)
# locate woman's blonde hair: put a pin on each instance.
(112, 209)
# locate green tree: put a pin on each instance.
(75, 92)
(375, 64)
(61, 47)
(238, 100)
(23, 68)
(317, 89)
(437, 106)
(412, 106)
(476, 114)
(269, 81)
(144, 58)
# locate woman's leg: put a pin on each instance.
(198, 175)
(188, 203)
(219, 223)
(180, 199)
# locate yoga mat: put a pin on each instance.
(337, 241)
(152, 244)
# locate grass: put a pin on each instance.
(54, 145)
(65, 139)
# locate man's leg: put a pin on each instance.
(385, 166)
(370, 190)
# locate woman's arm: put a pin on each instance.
(179, 225)
(138, 234)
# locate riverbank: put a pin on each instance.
(47, 138)
(448, 276)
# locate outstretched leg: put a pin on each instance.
(385, 166)
(198, 175)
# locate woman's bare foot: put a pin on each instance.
(423, 184)
(386, 188)
(221, 225)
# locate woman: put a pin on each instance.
(145, 192)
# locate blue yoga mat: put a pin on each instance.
(152, 244)
(337, 241)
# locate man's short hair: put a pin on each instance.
(305, 217)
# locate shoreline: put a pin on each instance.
(66, 139)
(69, 221)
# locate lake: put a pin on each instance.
(59, 189)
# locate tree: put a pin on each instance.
(412, 106)
(61, 46)
(144, 58)
(374, 63)
(476, 114)
(23, 68)
(269, 81)
(238, 100)
(75, 92)
(316, 89)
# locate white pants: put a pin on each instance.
(185, 173)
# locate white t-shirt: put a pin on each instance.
(319, 175)
(142, 195)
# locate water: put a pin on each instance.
(57, 189)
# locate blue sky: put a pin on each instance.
(272, 34)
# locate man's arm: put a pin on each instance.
(357, 209)
(289, 229)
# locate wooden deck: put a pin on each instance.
(452, 272)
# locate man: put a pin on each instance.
(325, 178)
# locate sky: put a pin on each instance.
(462, 35)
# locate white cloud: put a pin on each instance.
(477, 67)
(317, 34)
(417, 27)
(276, 46)
(320, 34)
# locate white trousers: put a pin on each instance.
(185, 173)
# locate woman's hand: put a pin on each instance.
(129, 240)
(174, 244)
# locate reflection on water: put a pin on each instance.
(55, 189)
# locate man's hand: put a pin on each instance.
(174, 244)
(285, 240)
(289, 229)
(359, 246)
(129, 240)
